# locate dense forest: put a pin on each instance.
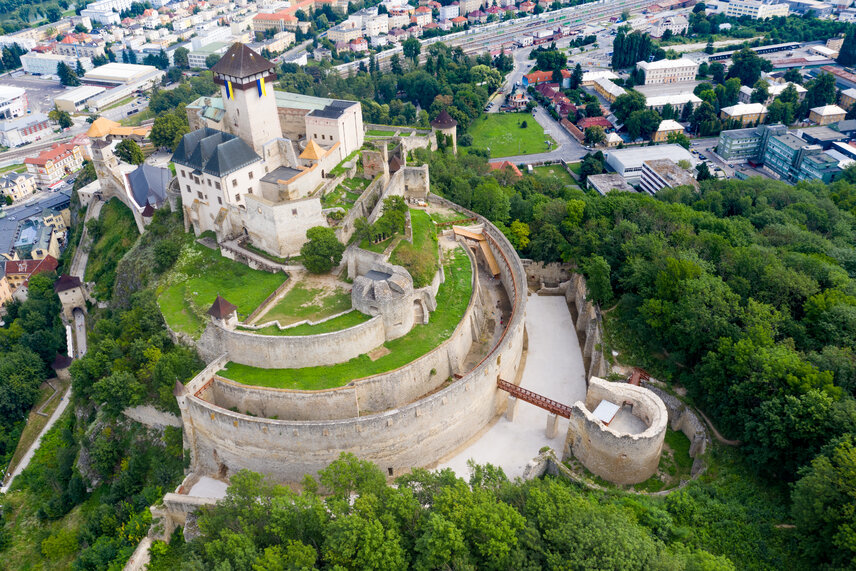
(351, 519)
(743, 293)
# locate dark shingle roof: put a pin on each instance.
(221, 309)
(214, 152)
(241, 61)
(66, 282)
(444, 121)
(332, 111)
(148, 184)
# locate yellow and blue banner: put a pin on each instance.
(260, 83)
(229, 93)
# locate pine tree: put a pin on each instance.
(847, 55)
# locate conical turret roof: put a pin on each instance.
(241, 61)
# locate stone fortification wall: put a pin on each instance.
(541, 275)
(589, 326)
(416, 434)
(683, 419)
(619, 457)
(291, 351)
(360, 261)
(368, 395)
(362, 207)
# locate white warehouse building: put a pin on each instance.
(628, 162)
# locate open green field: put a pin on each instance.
(577, 168)
(556, 171)
(199, 276)
(137, 118)
(502, 132)
(379, 133)
(345, 321)
(452, 301)
(304, 302)
(13, 168)
(114, 233)
(420, 257)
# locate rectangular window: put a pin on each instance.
(187, 186)
(237, 198)
(209, 182)
(234, 182)
(199, 194)
(183, 175)
(219, 200)
(294, 212)
(251, 175)
(217, 185)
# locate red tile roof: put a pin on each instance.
(505, 165)
(55, 153)
(31, 267)
(586, 122)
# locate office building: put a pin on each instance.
(658, 174)
(668, 71)
(756, 9)
(13, 102)
(628, 162)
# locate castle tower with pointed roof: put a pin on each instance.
(246, 84)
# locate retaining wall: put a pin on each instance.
(291, 351)
(416, 434)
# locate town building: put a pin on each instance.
(115, 73)
(589, 77)
(826, 114)
(792, 159)
(198, 57)
(628, 162)
(19, 272)
(52, 165)
(78, 98)
(658, 174)
(106, 11)
(744, 113)
(17, 186)
(604, 183)
(80, 45)
(36, 63)
(449, 12)
(677, 101)
(821, 136)
(774, 89)
(668, 71)
(608, 90)
(756, 9)
(847, 99)
(23, 130)
(675, 24)
(666, 128)
(13, 102)
(742, 145)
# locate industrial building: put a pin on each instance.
(13, 102)
(115, 73)
(628, 162)
(77, 99)
(658, 174)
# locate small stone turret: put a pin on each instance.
(386, 290)
(446, 125)
(224, 313)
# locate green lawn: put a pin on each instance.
(336, 324)
(119, 103)
(303, 302)
(450, 216)
(420, 257)
(340, 196)
(502, 132)
(114, 233)
(379, 133)
(676, 466)
(199, 275)
(556, 171)
(577, 168)
(452, 301)
(13, 168)
(378, 248)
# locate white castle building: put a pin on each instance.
(239, 175)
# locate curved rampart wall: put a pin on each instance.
(618, 457)
(291, 351)
(417, 434)
(368, 395)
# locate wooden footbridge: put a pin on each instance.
(540, 401)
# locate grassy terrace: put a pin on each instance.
(420, 257)
(345, 321)
(115, 232)
(556, 171)
(303, 302)
(452, 301)
(199, 275)
(505, 136)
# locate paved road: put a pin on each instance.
(25, 461)
(81, 255)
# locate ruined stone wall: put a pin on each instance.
(362, 208)
(683, 419)
(589, 326)
(291, 351)
(417, 434)
(618, 457)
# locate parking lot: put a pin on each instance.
(40, 92)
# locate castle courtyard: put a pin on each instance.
(554, 368)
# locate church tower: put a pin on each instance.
(246, 84)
